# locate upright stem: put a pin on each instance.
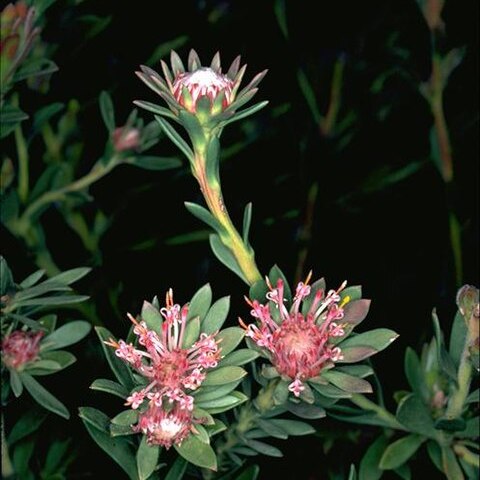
(212, 193)
(246, 418)
(7, 467)
(440, 123)
(23, 171)
(444, 147)
(366, 404)
(464, 378)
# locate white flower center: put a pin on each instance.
(200, 83)
(206, 78)
(170, 427)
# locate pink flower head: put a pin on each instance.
(188, 88)
(20, 348)
(125, 138)
(203, 82)
(171, 368)
(298, 345)
(165, 427)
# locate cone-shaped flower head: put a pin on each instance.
(206, 92)
(298, 345)
(20, 348)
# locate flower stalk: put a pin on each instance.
(212, 193)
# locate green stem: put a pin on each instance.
(327, 123)
(246, 418)
(305, 235)
(23, 173)
(464, 378)
(363, 402)
(7, 467)
(95, 174)
(212, 193)
(445, 157)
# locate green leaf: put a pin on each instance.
(258, 291)
(413, 372)
(293, 427)
(356, 354)
(352, 474)
(435, 454)
(356, 311)
(415, 415)
(225, 256)
(397, 453)
(347, 382)
(192, 331)
(247, 220)
(175, 138)
(205, 394)
(200, 303)
(32, 279)
(126, 418)
(377, 339)
(109, 386)
(6, 279)
(95, 417)
(239, 357)
(16, 383)
(107, 110)
(67, 334)
(197, 452)
(451, 468)
(21, 458)
(50, 301)
(246, 112)
(251, 473)
(276, 274)
(223, 375)
(330, 391)
(11, 115)
(204, 215)
(458, 338)
(38, 290)
(49, 322)
(361, 371)
(216, 316)
(223, 404)
(116, 447)
(68, 277)
(35, 68)
(177, 470)
(152, 317)
(369, 466)
(309, 95)
(147, 458)
(27, 424)
(33, 324)
(229, 338)
(60, 359)
(43, 396)
(354, 292)
(150, 162)
(264, 448)
(44, 114)
(120, 370)
(304, 410)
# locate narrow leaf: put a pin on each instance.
(43, 396)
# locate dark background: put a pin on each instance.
(391, 238)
